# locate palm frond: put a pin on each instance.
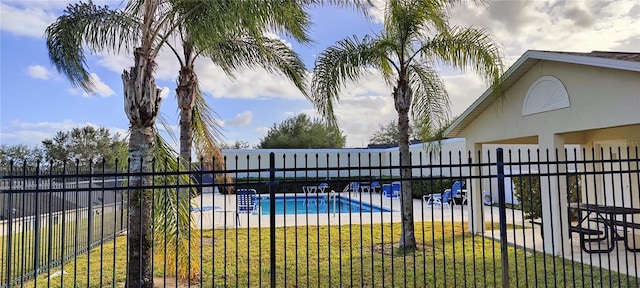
(208, 21)
(385, 45)
(347, 60)
(205, 128)
(466, 48)
(270, 54)
(207, 138)
(409, 18)
(172, 213)
(172, 135)
(98, 28)
(430, 108)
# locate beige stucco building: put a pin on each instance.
(554, 99)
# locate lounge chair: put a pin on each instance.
(352, 187)
(314, 189)
(391, 190)
(372, 187)
(444, 198)
(246, 201)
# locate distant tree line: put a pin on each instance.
(84, 146)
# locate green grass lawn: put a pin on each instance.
(350, 256)
(55, 242)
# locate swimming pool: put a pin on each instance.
(316, 205)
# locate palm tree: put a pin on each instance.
(230, 44)
(141, 24)
(226, 39)
(416, 35)
(211, 29)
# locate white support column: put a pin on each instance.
(554, 194)
(475, 207)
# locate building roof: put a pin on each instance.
(628, 56)
(629, 61)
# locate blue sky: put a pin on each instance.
(36, 101)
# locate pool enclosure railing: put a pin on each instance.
(531, 218)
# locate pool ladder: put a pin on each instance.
(334, 195)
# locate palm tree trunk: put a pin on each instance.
(187, 85)
(142, 104)
(402, 96)
(185, 93)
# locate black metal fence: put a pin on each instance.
(522, 219)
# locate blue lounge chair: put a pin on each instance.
(391, 190)
(370, 187)
(246, 201)
(322, 186)
(352, 187)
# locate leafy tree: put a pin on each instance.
(238, 144)
(302, 132)
(87, 145)
(20, 154)
(415, 37)
(388, 134)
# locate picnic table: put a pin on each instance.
(609, 216)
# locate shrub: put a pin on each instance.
(527, 191)
(430, 186)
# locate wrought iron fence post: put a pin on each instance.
(272, 216)
(503, 218)
(11, 218)
(36, 227)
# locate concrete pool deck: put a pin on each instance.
(224, 215)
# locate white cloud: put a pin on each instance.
(38, 72)
(27, 137)
(116, 63)
(100, 88)
(262, 130)
(25, 21)
(580, 26)
(250, 84)
(167, 66)
(164, 92)
(463, 89)
(64, 125)
(242, 119)
(377, 11)
(31, 18)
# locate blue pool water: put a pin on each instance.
(316, 205)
